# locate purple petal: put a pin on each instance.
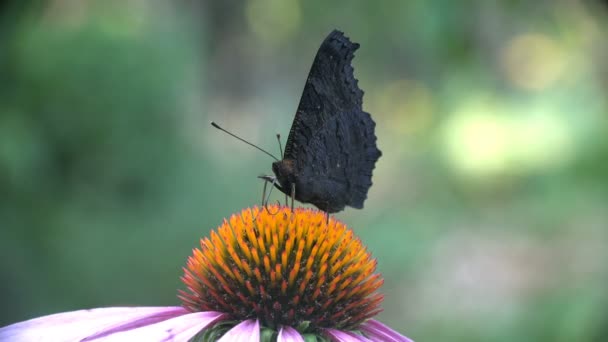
(177, 329)
(342, 336)
(246, 331)
(77, 325)
(380, 332)
(289, 334)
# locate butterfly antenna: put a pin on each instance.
(243, 140)
(280, 147)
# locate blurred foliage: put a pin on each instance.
(488, 211)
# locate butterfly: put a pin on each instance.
(331, 149)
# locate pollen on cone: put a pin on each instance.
(284, 268)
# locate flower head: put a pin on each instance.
(283, 269)
(264, 275)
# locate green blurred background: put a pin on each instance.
(489, 210)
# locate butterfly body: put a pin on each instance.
(326, 194)
(331, 149)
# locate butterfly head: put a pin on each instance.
(285, 172)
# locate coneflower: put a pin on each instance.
(265, 275)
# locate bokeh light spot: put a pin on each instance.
(484, 138)
(476, 139)
(542, 140)
(408, 103)
(273, 21)
(533, 61)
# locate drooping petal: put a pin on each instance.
(177, 329)
(289, 334)
(380, 332)
(78, 325)
(246, 331)
(341, 336)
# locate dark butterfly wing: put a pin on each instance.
(332, 139)
(331, 88)
(335, 168)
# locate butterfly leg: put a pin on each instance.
(274, 183)
(293, 195)
(264, 193)
(263, 206)
(265, 198)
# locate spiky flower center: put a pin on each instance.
(284, 268)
